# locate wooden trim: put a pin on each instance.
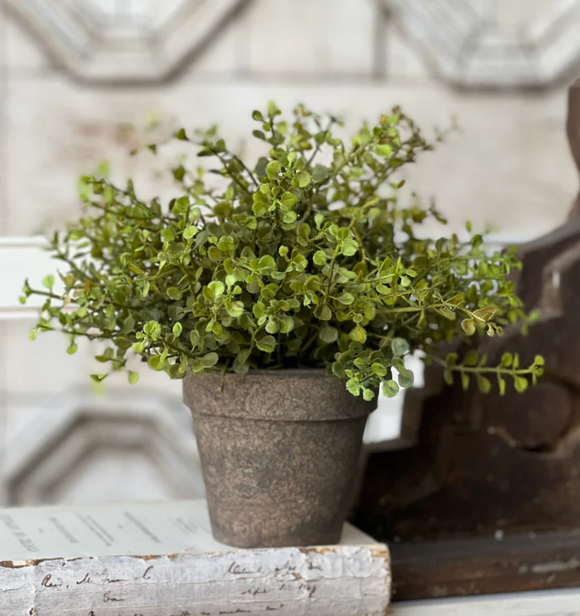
(472, 566)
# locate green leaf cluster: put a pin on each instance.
(303, 258)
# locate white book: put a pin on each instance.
(160, 559)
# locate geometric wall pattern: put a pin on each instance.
(469, 49)
(137, 446)
(122, 41)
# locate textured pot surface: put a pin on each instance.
(279, 452)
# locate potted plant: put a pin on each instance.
(285, 299)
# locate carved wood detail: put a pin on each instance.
(487, 466)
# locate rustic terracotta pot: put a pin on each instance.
(279, 452)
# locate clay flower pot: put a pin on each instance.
(279, 452)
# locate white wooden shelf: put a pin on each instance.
(533, 603)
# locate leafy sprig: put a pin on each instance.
(303, 259)
(474, 365)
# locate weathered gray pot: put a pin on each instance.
(279, 452)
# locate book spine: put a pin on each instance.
(335, 581)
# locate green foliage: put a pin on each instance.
(475, 366)
(304, 259)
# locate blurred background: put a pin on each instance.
(77, 77)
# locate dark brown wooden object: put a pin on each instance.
(490, 495)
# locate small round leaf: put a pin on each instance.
(390, 388)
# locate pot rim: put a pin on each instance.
(288, 372)
(299, 394)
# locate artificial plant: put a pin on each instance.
(303, 259)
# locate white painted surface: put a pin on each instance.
(539, 603)
(160, 559)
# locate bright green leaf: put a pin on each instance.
(390, 388)
(346, 298)
(288, 199)
(303, 179)
(190, 232)
(328, 334)
(266, 344)
(406, 378)
(273, 169)
(399, 346)
(521, 384)
(483, 383)
(358, 334)
(468, 326)
(471, 358)
(173, 293)
(323, 312)
(48, 282)
(368, 394)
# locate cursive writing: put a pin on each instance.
(48, 583)
(107, 580)
(256, 591)
(285, 568)
(236, 569)
(108, 598)
(101, 578)
(85, 580)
